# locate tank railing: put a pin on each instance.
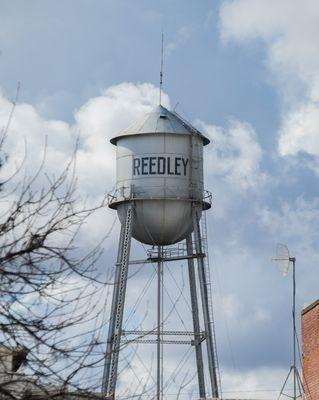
(120, 194)
(178, 250)
(207, 197)
(126, 193)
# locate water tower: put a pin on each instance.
(160, 200)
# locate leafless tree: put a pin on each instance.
(48, 286)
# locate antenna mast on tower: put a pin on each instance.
(161, 71)
(284, 260)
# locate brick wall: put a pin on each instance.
(310, 350)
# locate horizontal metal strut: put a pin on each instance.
(174, 333)
(155, 341)
(166, 259)
(199, 337)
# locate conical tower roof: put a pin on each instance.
(161, 120)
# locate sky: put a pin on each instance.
(244, 72)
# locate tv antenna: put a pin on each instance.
(284, 261)
(161, 71)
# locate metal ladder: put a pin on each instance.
(210, 295)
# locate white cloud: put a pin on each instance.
(296, 222)
(235, 155)
(289, 29)
(180, 39)
(300, 131)
(260, 383)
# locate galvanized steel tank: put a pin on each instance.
(160, 168)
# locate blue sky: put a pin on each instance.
(243, 71)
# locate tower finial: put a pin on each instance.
(161, 71)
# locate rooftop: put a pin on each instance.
(310, 307)
(161, 120)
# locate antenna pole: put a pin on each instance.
(293, 260)
(297, 382)
(161, 71)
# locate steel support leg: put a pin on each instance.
(205, 305)
(159, 380)
(110, 342)
(195, 314)
(117, 309)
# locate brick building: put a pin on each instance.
(310, 350)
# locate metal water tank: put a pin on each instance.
(160, 168)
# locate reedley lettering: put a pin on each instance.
(160, 166)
